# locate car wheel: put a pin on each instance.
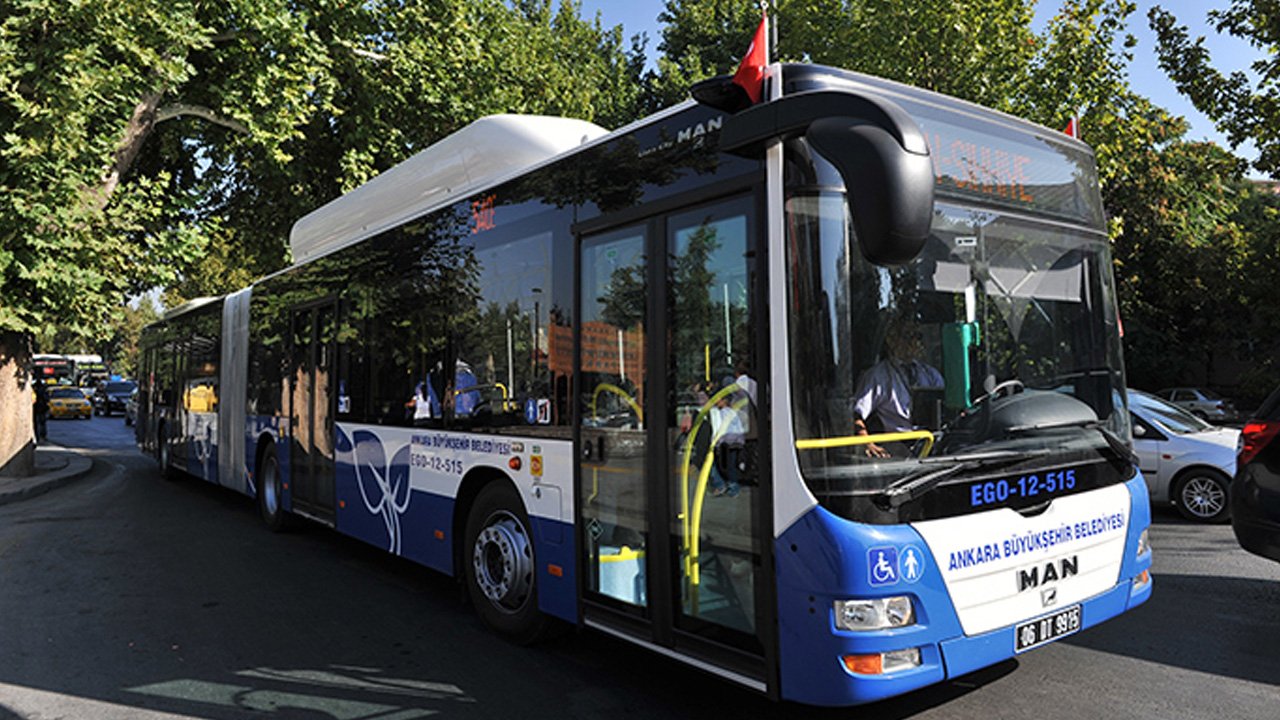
(271, 494)
(1201, 495)
(501, 574)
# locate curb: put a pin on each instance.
(69, 466)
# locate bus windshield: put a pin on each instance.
(1000, 341)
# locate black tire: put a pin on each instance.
(163, 454)
(1202, 495)
(500, 568)
(270, 493)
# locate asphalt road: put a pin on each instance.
(126, 596)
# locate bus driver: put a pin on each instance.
(882, 400)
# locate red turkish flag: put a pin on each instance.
(750, 74)
(1073, 128)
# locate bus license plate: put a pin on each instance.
(1050, 627)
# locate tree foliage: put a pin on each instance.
(1242, 108)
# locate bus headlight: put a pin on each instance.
(1144, 543)
(875, 613)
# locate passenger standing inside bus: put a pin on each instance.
(731, 425)
(882, 400)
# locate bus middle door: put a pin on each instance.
(312, 410)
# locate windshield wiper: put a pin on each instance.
(914, 485)
(1121, 448)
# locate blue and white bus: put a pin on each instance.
(824, 396)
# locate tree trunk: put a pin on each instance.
(135, 134)
(17, 436)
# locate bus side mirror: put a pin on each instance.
(889, 188)
(881, 153)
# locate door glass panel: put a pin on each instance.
(712, 425)
(300, 414)
(322, 408)
(611, 354)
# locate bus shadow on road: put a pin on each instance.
(619, 679)
(1200, 623)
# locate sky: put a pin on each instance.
(1227, 53)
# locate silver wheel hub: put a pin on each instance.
(1203, 497)
(503, 562)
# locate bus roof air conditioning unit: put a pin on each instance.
(479, 155)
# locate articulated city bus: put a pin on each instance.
(824, 396)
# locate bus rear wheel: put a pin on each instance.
(163, 457)
(270, 493)
(499, 565)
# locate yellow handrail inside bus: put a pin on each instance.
(595, 396)
(620, 393)
(850, 440)
(691, 522)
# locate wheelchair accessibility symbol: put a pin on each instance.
(882, 566)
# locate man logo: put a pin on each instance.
(1048, 596)
(1052, 571)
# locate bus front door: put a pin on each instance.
(673, 517)
(311, 411)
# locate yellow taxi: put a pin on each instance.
(68, 402)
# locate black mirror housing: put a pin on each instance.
(880, 152)
(889, 188)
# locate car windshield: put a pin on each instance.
(1166, 415)
(1000, 337)
(1208, 394)
(120, 387)
(66, 392)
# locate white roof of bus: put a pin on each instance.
(478, 155)
(188, 306)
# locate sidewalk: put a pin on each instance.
(55, 467)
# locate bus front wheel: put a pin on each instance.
(270, 495)
(498, 561)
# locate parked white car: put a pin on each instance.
(1186, 461)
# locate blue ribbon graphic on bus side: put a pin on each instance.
(384, 486)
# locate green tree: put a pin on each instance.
(1180, 261)
(1243, 108)
(84, 221)
(174, 143)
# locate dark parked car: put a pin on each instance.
(1255, 492)
(112, 396)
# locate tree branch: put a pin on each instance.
(175, 110)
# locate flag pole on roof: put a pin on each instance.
(746, 86)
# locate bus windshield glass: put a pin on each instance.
(999, 344)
